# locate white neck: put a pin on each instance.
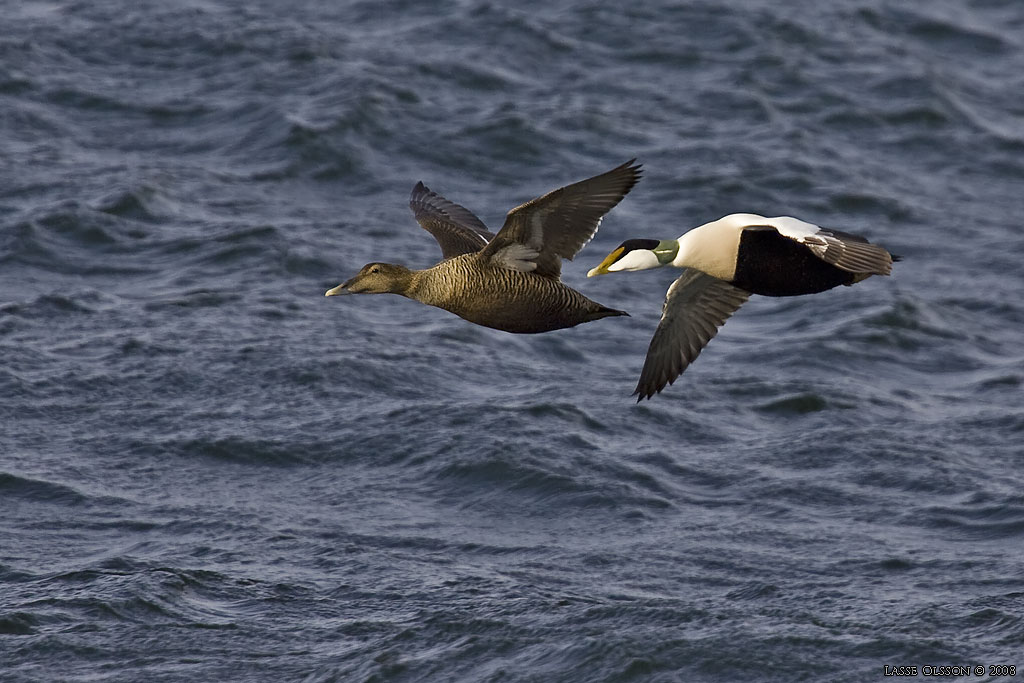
(712, 248)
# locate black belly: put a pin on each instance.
(774, 265)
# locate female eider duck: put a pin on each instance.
(509, 281)
(728, 260)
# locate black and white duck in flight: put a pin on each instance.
(728, 260)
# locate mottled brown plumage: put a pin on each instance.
(509, 281)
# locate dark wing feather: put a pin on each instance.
(454, 227)
(851, 253)
(558, 224)
(695, 307)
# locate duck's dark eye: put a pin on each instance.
(374, 269)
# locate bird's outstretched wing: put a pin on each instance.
(695, 307)
(558, 224)
(455, 227)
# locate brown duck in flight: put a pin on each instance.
(509, 281)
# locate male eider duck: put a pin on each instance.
(728, 260)
(509, 281)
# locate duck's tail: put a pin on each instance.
(605, 312)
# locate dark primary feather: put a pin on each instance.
(455, 227)
(696, 305)
(560, 223)
(851, 253)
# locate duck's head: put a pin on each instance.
(638, 254)
(375, 278)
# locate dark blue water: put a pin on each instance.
(210, 472)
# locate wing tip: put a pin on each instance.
(636, 171)
(419, 195)
(641, 392)
(632, 165)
